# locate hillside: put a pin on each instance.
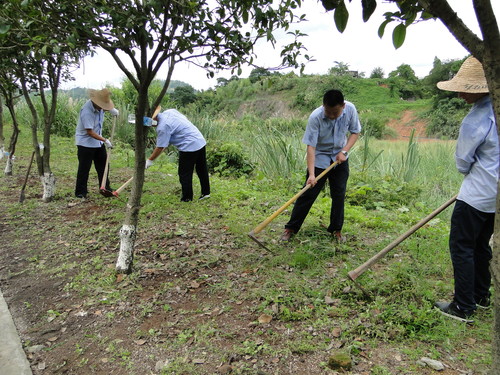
(292, 97)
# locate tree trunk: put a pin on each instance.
(8, 167)
(49, 187)
(128, 235)
(13, 142)
(128, 231)
(2, 139)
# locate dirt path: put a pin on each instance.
(404, 126)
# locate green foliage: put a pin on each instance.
(377, 72)
(374, 192)
(441, 71)
(279, 155)
(228, 160)
(373, 125)
(257, 74)
(184, 95)
(446, 117)
(404, 83)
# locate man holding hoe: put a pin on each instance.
(477, 158)
(172, 127)
(89, 141)
(331, 131)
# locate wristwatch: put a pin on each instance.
(345, 153)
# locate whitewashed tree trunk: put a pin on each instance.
(128, 234)
(49, 186)
(2, 152)
(8, 167)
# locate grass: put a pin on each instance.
(195, 267)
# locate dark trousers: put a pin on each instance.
(188, 161)
(87, 155)
(337, 179)
(470, 251)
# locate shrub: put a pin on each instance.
(228, 160)
(446, 117)
(374, 126)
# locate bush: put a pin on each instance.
(381, 192)
(228, 160)
(446, 117)
(374, 126)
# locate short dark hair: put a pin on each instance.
(333, 98)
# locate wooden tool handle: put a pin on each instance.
(354, 274)
(262, 225)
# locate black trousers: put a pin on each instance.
(188, 161)
(470, 251)
(337, 179)
(87, 155)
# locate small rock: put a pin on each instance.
(35, 348)
(340, 361)
(160, 365)
(433, 364)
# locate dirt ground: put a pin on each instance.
(44, 249)
(404, 126)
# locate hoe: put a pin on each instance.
(262, 225)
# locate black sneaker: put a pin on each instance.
(483, 303)
(451, 310)
(206, 196)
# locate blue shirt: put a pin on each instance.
(90, 118)
(175, 129)
(477, 157)
(329, 136)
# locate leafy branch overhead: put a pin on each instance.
(409, 12)
(212, 35)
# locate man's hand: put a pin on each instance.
(149, 163)
(108, 144)
(114, 112)
(311, 180)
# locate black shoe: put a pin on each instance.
(484, 303)
(82, 196)
(186, 200)
(451, 310)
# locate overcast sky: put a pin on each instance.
(359, 47)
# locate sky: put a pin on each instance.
(359, 47)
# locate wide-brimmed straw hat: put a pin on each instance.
(470, 78)
(102, 98)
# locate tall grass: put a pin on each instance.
(279, 155)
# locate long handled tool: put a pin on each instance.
(103, 189)
(354, 274)
(262, 225)
(117, 192)
(22, 197)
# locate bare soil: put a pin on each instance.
(405, 125)
(180, 283)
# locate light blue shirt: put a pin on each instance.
(90, 118)
(329, 136)
(477, 157)
(175, 129)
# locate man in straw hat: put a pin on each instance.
(173, 128)
(472, 221)
(89, 141)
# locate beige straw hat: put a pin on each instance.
(470, 78)
(102, 98)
